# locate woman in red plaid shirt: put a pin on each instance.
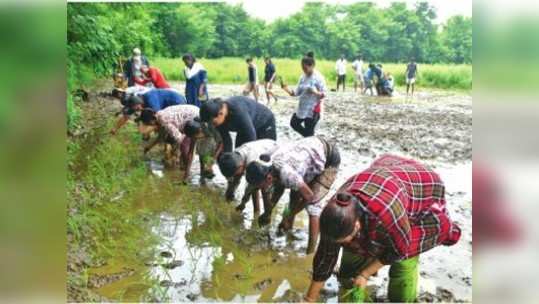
(385, 215)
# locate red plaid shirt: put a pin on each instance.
(403, 214)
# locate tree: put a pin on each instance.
(457, 38)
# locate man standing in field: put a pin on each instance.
(133, 65)
(411, 73)
(357, 65)
(252, 85)
(340, 67)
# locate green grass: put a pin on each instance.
(102, 221)
(234, 71)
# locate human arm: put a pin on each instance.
(361, 279)
(119, 123)
(246, 129)
(306, 192)
(324, 261)
(204, 80)
(227, 140)
(232, 186)
(189, 160)
(152, 144)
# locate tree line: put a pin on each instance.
(98, 33)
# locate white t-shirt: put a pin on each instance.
(358, 66)
(340, 66)
(251, 151)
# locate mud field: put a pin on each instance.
(209, 252)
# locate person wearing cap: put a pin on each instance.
(152, 75)
(250, 119)
(308, 168)
(388, 214)
(196, 80)
(132, 66)
(178, 126)
(156, 99)
(233, 164)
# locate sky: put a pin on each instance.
(271, 10)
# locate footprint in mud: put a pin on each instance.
(263, 284)
(166, 254)
(173, 264)
(166, 283)
(290, 296)
(239, 276)
(442, 295)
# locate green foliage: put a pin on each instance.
(99, 32)
(457, 38)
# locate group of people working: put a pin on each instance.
(386, 214)
(374, 77)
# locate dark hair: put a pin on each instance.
(339, 216)
(210, 109)
(310, 54)
(255, 173)
(134, 100)
(308, 61)
(189, 56)
(147, 116)
(371, 65)
(117, 93)
(249, 59)
(229, 162)
(192, 127)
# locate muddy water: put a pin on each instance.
(210, 252)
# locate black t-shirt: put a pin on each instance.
(245, 116)
(412, 69)
(269, 71)
(252, 73)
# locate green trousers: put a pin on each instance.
(403, 276)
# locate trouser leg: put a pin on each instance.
(310, 124)
(296, 124)
(403, 276)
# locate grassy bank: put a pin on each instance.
(234, 70)
(104, 173)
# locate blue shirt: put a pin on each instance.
(158, 99)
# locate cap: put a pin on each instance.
(136, 51)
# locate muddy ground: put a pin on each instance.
(234, 260)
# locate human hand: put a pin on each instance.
(361, 281)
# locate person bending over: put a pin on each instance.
(156, 99)
(233, 164)
(250, 119)
(179, 126)
(388, 214)
(308, 168)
